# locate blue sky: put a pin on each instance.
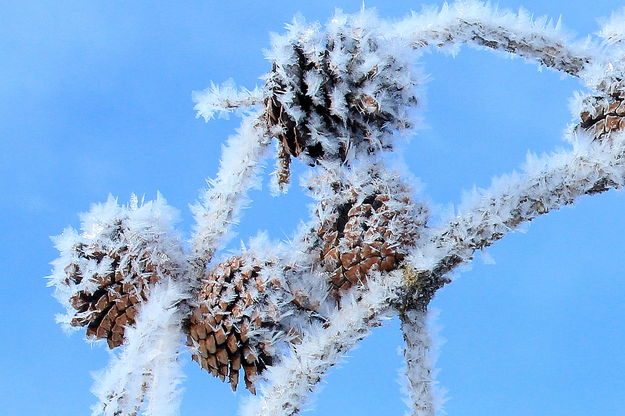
(96, 99)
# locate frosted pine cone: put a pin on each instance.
(236, 321)
(370, 231)
(107, 308)
(105, 274)
(335, 92)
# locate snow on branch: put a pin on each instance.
(424, 397)
(291, 382)
(223, 99)
(549, 183)
(613, 30)
(477, 23)
(148, 365)
(220, 204)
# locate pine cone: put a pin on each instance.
(336, 91)
(371, 234)
(230, 319)
(105, 273)
(108, 306)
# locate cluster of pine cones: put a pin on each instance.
(240, 309)
(331, 98)
(368, 232)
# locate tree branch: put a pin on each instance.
(590, 168)
(419, 363)
(221, 203)
(477, 24)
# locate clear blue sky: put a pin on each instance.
(95, 98)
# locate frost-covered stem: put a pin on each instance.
(417, 354)
(148, 365)
(163, 396)
(478, 24)
(223, 99)
(592, 167)
(292, 380)
(220, 204)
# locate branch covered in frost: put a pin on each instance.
(477, 23)
(297, 375)
(148, 365)
(550, 182)
(123, 256)
(423, 396)
(224, 99)
(220, 204)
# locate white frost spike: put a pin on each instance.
(424, 397)
(224, 99)
(613, 30)
(148, 365)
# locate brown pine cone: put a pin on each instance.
(105, 273)
(113, 303)
(231, 313)
(362, 239)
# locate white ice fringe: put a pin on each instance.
(221, 100)
(148, 364)
(478, 24)
(220, 204)
(613, 30)
(292, 380)
(424, 396)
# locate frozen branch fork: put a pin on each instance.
(277, 316)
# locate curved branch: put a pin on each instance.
(477, 24)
